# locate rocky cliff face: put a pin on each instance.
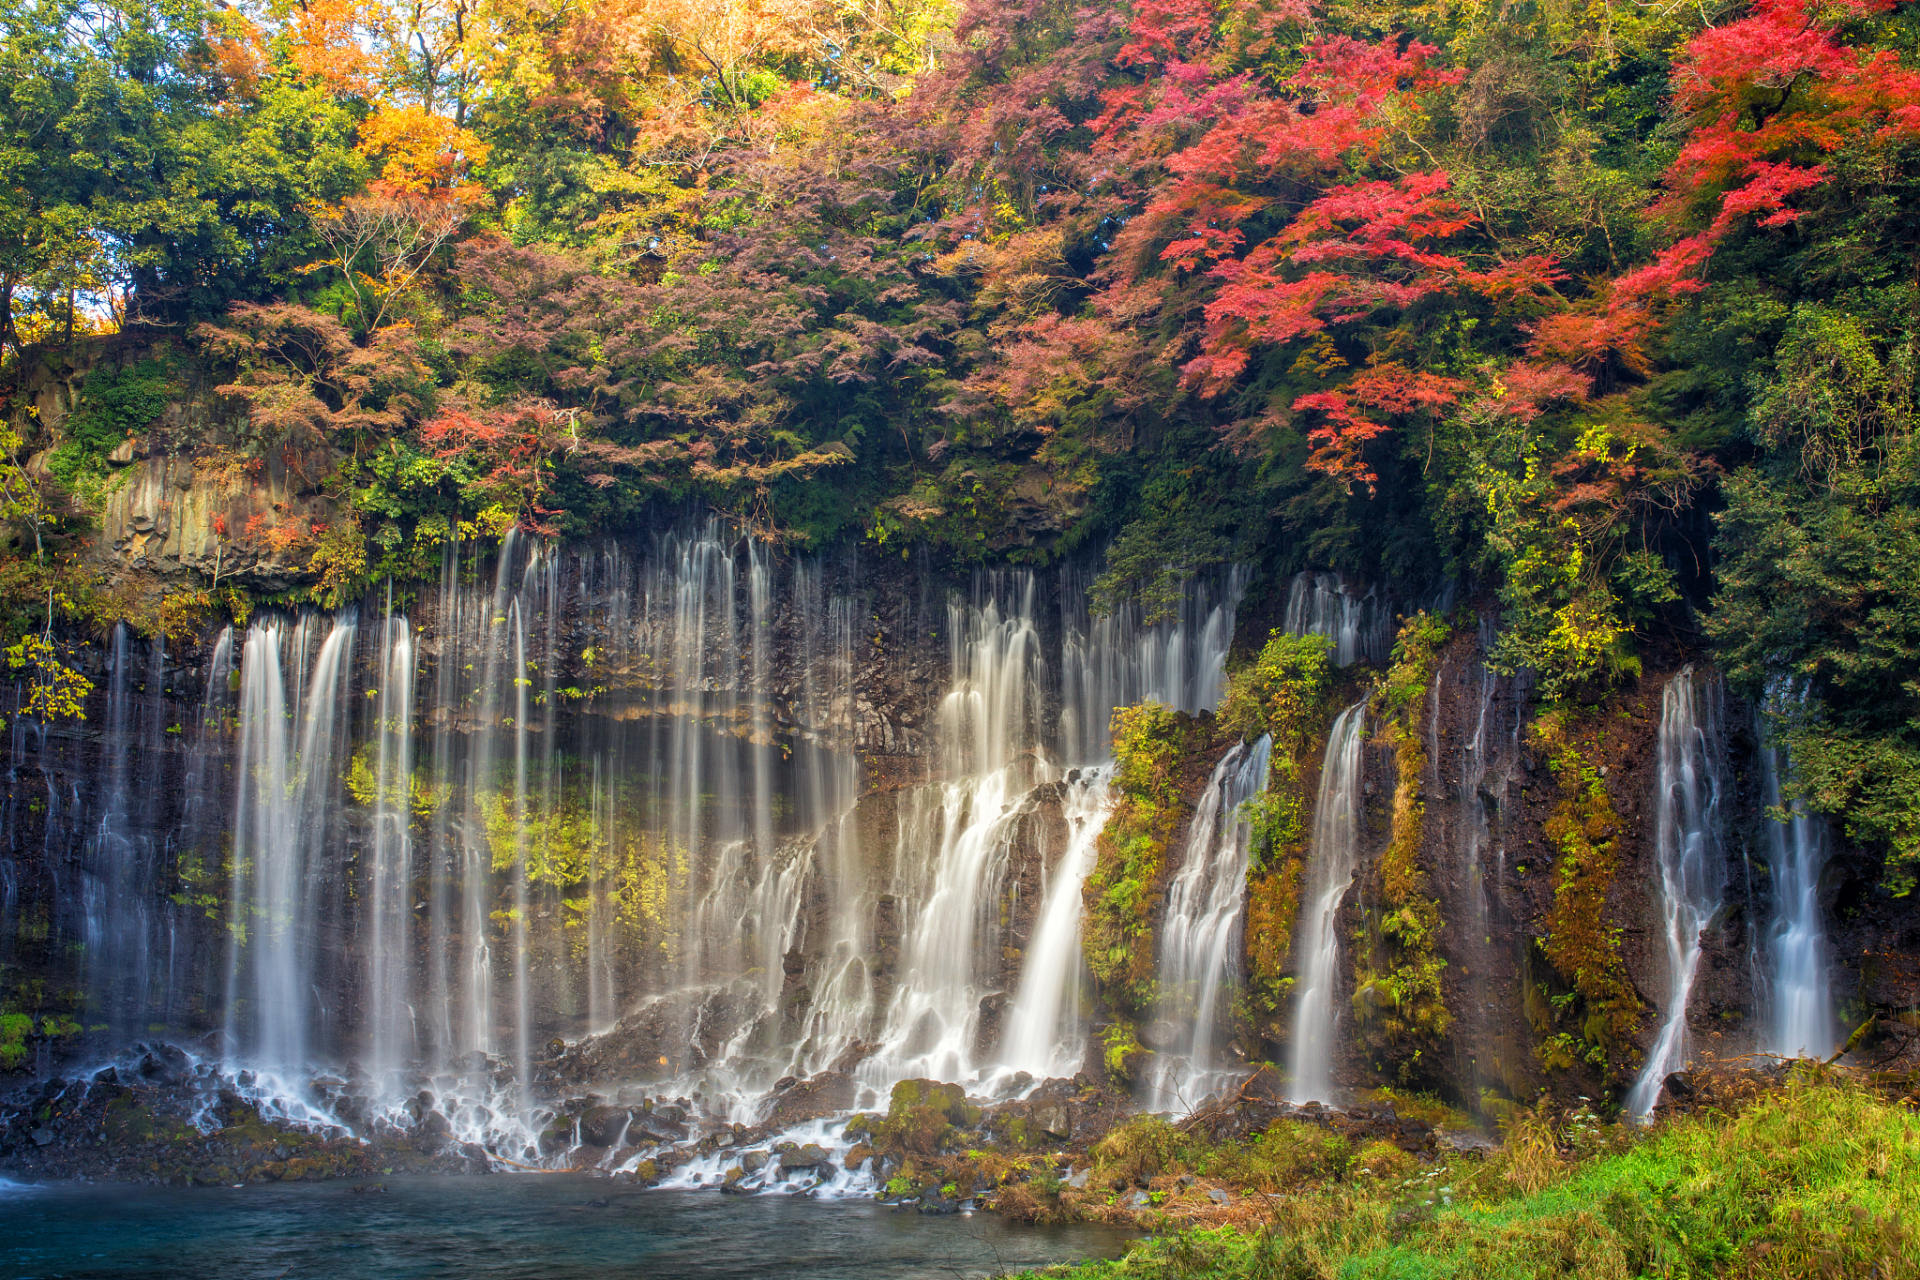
(707, 793)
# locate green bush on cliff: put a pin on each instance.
(114, 403)
(1282, 693)
(1149, 743)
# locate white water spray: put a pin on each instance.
(1693, 865)
(1198, 933)
(1333, 858)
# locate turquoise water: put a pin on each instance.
(528, 1225)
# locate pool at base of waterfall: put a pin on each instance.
(553, 1226)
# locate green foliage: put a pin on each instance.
(1149, 743)
(114, 404)
(1820, 1179)
(14, 1030)
(1581, 945)
(1282, 693)
(1399, 1006)
(1121, 1050)
(1820, 549)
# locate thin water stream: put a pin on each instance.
(1333, 858)
(1690, 857)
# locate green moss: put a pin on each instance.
(1398, 1001)
(114, 404)
(1130, 862)
(1282, 694)
(1593, 1018)
(1121, 1050)
(14, 1030)
(922, 1117)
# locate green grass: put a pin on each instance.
(1819, 1180)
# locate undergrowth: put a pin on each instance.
(1818, 1179)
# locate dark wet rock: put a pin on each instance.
(665, 1038)
(1679, 1084)
(802, 1157)
(603, 1126)
(1162, 1036)
(754, 1161)
(852, 1056)
(825, 1094)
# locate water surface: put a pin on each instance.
(557, 1227)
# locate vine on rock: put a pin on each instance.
(1399, 1005)
(1594, 1019)
(1282, 694)
(1130, 862)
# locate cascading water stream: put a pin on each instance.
(1202, 923)
(1692, 863)
(1046, 1027)
(120, 863)
(1800, 1020)
(1323, 604)
(951, 855)
(280, 823)
(392, 1039)
(575, 786)
(1333, 858)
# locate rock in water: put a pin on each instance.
(825, 1094)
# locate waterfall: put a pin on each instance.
(843, 1005)
(280, 831)
(954, 837)
(1333, 858)
(120, 864)
(1197, 955)
(1325, 604)
(390, 904)
(575, 786)
(1046, 1033)
(1691, 861)
(1800, 1021)
(1116, 660)
(1487, 761)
